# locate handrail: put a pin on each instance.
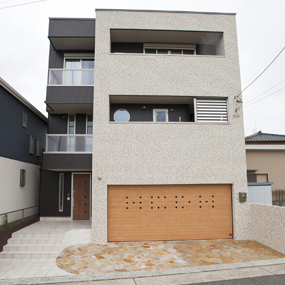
(69, 143)
(3, 214)
(62, 76)
(72, 69)
(20, 210)
(67, 135)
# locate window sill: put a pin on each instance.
(67, 152)
(72, 85)
(173, 123)
(180, 55)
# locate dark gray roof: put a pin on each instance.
(263, 137)
(18, 96)
(68, 27)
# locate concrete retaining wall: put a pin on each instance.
(268, 226)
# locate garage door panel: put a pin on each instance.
(169, 212)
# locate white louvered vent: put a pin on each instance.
(214, 110)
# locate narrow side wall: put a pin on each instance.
(14, 197)
(268, 226)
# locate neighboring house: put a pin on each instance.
(265, 155)
(22, 136)
(148, 144)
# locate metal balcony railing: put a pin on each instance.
(71, 77)
(69, 143)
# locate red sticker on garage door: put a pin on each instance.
(230, 235)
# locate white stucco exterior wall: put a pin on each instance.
(166, 153)
(12, 196)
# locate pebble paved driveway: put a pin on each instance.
(137, 256)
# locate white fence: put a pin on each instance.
(260, 193)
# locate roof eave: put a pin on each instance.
(17, 95)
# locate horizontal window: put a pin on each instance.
(169, 49)
(167, 42)
(79, 63)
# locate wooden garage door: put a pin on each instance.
(169, 212)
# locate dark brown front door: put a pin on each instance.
(81, 196)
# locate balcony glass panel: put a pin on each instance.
(71, 77)
(69, 143)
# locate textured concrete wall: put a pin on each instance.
(267, 225)
(166, 153)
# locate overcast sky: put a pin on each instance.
(261, 36)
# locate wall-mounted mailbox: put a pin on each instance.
(242, 197)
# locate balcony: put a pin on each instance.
(69, 77)
(70, 91)
(69, 143)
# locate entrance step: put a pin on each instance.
(35, 241)
(46, 239)
(33, 245)
(37, 235)
(31, 248)
(28, 254)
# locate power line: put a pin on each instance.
(22, 4)
(264, 92)
(261, 72)
(7, 1)
(265, 97)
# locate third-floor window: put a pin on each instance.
(78, 69)
(79, 63)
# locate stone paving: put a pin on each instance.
(140, 256)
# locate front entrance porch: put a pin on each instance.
(65, 195)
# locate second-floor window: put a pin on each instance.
(71, 124)
(89, 129)
(160, 115)
(25, 120)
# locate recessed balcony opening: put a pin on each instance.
(151, 109)
(164, 109)
(167, 42)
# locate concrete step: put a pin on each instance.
(35, 241)
(38, 235)
(28, 255)
(31, 247)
